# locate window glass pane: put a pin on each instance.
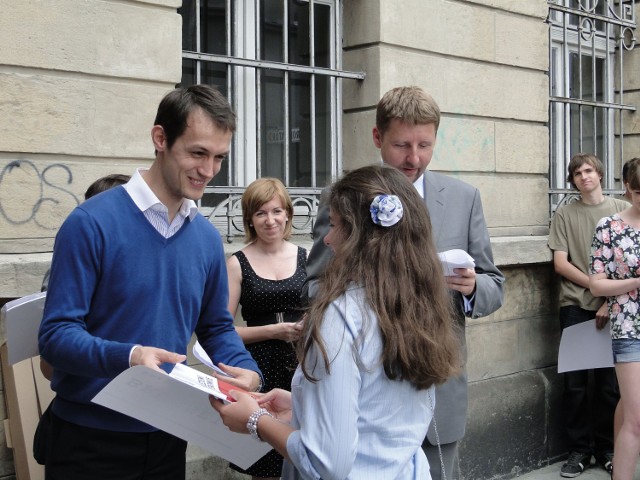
(261, 38)
(210, 74)
(272, 145)
(323, 131)
(582, 80)
(592, 122)
(271, 13)
(299, 118)
(588, 6)
(189, 27)
(299, 33)
(273, 151)
(322, 35)
(212, 26)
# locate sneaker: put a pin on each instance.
(575, 464)
(605, 460)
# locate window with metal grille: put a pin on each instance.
(588, 39)
(278, 62)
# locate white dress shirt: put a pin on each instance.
(154, 210)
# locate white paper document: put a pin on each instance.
(583, 347)
(455, 258)
(201, 355)
(178, 403)
(19, 324)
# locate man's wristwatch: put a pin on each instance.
(252, 423)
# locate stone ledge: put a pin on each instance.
(21, 274)
(521, 250)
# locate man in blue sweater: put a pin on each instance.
(136, 271)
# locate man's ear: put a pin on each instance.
(159, 138)
(377, 137)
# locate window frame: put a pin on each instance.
(587, 40)
(243, 67)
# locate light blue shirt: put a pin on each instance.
(154, 210)
(355, 423)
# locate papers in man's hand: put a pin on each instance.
(455, 258)
(583, 347)
(19, 324)
(201, 355)
(178, 403)
(202, 381)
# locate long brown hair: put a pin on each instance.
(400, 272)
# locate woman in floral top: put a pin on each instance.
(615, 274)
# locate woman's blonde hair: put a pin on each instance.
(400, 272)
(258, 193)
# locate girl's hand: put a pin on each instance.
(235, 414)
(278, 402)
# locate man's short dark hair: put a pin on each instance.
(105, 183)
(175, 107)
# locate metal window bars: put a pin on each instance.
(244, 52)
(587, 41)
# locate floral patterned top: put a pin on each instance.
(615, 250)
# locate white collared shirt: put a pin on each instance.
(419, 185)
(154, 210)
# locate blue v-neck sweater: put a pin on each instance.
(116, 282)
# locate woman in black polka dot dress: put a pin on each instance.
(266, 279)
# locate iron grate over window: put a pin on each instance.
(587, 108)
(279, 63)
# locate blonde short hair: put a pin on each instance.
(411, 105)
(258, 193)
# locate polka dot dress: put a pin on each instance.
(261, 299)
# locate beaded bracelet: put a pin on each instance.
(252, 423)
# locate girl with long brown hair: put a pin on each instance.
(378, 336)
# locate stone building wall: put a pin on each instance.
(80, 82)
(79, 86)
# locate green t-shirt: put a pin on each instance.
(572, 229)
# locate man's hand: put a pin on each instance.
(602, 316)
(153, 357)
(464, 281)
(240, 377)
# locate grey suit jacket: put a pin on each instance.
(458, 221)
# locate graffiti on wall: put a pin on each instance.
(33, 196)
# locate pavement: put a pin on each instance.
(552, 472)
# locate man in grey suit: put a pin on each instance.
(407, 121)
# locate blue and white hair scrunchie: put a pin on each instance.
(386, 210)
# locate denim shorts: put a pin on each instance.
(626, 350)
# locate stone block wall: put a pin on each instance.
(514, 422)
(79, 85)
